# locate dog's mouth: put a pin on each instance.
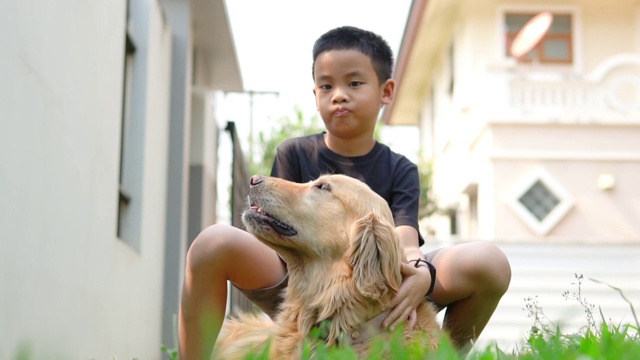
(277, 225)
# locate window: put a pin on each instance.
(132, 139)
(124, 197)
(540, 201)
(555, 47)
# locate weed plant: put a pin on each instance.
(545, 339)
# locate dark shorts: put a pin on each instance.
(267, 299)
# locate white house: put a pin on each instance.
(539, 153)
(108, 159)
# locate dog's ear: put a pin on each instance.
(374, 256)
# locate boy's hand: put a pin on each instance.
(415, 285)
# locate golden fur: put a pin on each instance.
(343, 258)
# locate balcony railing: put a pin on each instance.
(610, 93)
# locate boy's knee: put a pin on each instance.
(486, 267)
(207, 246)
(496, 267)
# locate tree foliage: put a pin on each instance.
(428, 204)
(283, 129)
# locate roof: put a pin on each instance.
(427, 34)
(217, 65)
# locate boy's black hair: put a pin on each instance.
(364, 41)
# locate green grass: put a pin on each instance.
(611, 342)
(595, 340)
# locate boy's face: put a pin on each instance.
(348, 93)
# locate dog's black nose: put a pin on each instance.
(256, 180)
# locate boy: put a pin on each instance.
(352, 76)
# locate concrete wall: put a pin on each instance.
(70, 289)
(575, 156)
(608, 30)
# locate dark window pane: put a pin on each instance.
(539, 200)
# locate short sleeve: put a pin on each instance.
(405, 197)
(285, 164)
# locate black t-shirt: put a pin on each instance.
(391, 175)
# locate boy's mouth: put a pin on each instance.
(341, 112)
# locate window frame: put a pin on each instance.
(559, 212)
(124, 196)
(576, 64)
(130, 186)
(539, 47)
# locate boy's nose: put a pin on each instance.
(339, 96)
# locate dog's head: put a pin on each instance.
(334, 219)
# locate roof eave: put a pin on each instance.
(427, 35)
(217, 65)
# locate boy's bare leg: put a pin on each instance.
(218, 254)
(471, 279)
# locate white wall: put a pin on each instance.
(575, 157)
(69, 288)
(472, 147)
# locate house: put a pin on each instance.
(538, 152)
(108, 150)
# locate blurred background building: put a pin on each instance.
(108, 152)
(539, 152)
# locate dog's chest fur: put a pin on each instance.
(307, 304)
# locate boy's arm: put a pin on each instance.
(409, 242)
(415, 284)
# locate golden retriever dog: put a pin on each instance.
(343, 257)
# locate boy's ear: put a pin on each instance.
(316, 99)
(388, 91)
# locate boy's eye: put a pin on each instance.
(355, 83)
(325, 87)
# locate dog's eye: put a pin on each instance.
(323, 186)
